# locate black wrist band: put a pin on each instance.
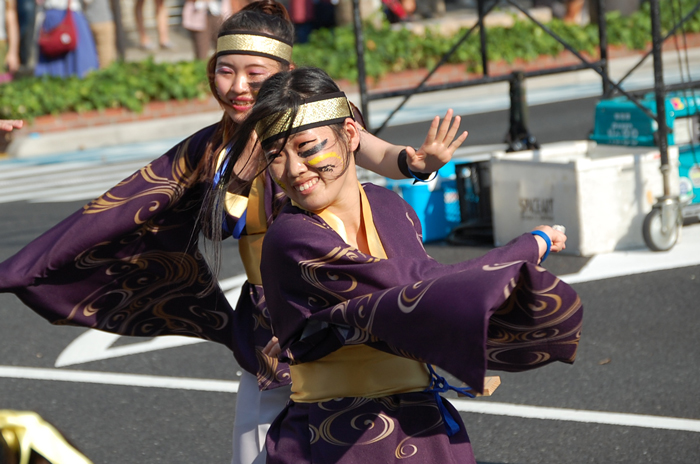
(402, 161)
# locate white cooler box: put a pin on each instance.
(600, 193)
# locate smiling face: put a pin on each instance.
(316, 168)
(238, 79)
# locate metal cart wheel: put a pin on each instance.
(662, 228)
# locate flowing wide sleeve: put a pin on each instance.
(500, 311)
(128, 262)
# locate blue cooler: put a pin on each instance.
(436, 202)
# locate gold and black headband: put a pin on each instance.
(253, 43)
(324, 110)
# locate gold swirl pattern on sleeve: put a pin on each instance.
(312, 269)
(146, 290)
(529, 318)
(270, 370)
(419, 237)
(182, 177)
(407, 303)
(137, 301)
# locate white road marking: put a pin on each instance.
(623, 263)
(577, 415)
(118, 378)
(95, 345)
(69, 181)
(469, 406)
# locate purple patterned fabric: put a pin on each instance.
(397, 428)
(129, 263)
(500, 311)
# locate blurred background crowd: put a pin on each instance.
(35, 34)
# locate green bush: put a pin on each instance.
(129, 85)
(132, 85)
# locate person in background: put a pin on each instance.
(26, 15)
(203, 19)
(161, 25)
(574, 11)
(99, 15)
(9, 39)
(302, 14)
(77, 62)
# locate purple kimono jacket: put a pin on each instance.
(500, 311)
(129, 263)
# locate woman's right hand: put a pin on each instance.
(557, 237)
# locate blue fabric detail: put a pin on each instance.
(547, 240)
(224, 225)
(418, 179)
(439, 385)
(240, 225)
(218, 174)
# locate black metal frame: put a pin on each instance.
(484, 8)
(518, 136)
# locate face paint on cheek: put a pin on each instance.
(281, 184)
(331, 154)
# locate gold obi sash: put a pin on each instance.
(357, 370)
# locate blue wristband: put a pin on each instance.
(418, 179)
(547, 240)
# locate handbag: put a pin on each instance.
(194, 16)
(61, 39)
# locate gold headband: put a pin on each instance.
(251, 43)
(330, 109)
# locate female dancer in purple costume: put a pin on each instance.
(144, 275)
(359, 307)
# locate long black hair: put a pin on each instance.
(280, 93)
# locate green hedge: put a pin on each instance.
(131, 85)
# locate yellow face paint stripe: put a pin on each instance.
(322, 157)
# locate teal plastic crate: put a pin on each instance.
(618, 121)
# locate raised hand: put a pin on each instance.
(439, 145)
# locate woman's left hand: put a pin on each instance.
(439, 145)
(557, 237)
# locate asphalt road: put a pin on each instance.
(638, 355)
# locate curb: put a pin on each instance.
(67, 132)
